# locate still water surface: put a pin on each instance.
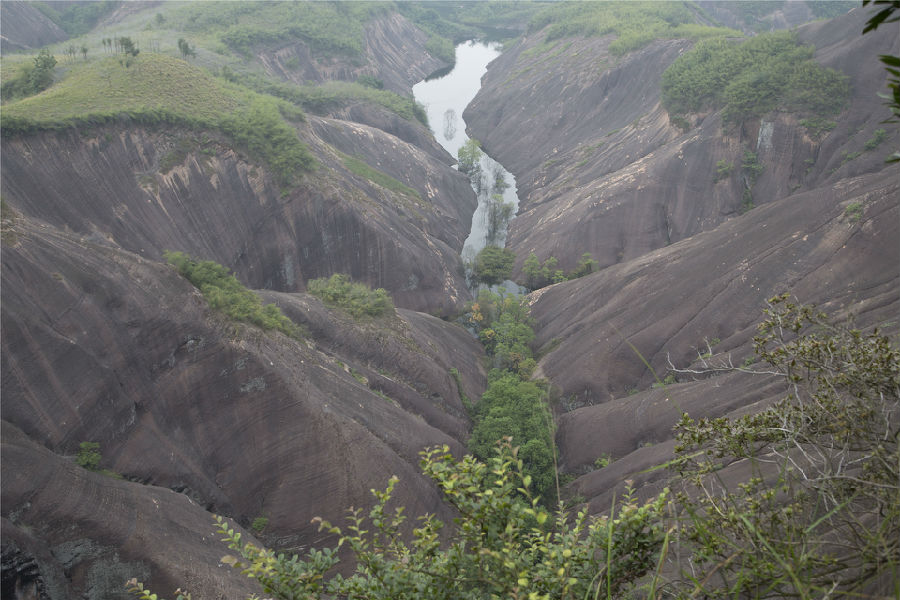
(444, 99)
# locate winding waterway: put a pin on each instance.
(444, 99)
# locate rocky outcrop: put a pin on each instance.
(600, 168)
(57, 544)
(102, 345)
(150, 191)
(26, 28)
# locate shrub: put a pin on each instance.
(723, 170)
(506, 544)
(259, 524)
(225, 293)
(751, 78)
(822, 466)
(355, 298)
(262, 131)
(876, 139)
(89, 456)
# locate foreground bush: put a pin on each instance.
(504, 545)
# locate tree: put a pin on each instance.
(185, 48)
(493, 265)
(498, 215)
(586, 266)
(129, 49)
(41, 76)
(469, 157)
(84, 51)
(892, 63)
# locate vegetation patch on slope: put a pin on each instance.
(328, 28)
(359, 167)
(635, 24)
(226, 294)
(157, 88)
(355, 298)
(748, 79)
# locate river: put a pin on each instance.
(444, 99)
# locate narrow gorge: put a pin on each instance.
(292, 142)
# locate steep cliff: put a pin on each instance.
(393, 52)
(601, 168)
(149, 191)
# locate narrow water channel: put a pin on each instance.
(444, 99)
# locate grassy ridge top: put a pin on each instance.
(327, 27)
(158, 88)
(635, 24)
(153, 82)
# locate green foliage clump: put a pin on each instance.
(511, 407)
(355, 298)
(469, 158)
(538, 275)
(441, 48)
(498, 215)
(259, 524)
(504, 327)
(723, 170)
(876, 139)
(363, 169)
(225, 293)
(76, 18)
(504, 545)
(89, 456)
(327, 28)
(370, 81)
(493, 265)
(817, 126)
(31, 78)
(163, 89)
(262, 130)
(635, 24)
(751, 78)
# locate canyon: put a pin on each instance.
(102, 341)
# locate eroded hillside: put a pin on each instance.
(603, 168)
(105, 342)
(685, 268)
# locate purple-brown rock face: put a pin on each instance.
(601, 169)
(103, 342)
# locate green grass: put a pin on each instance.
(359, 167)
(158, 88)
(635, 24)
(156, 82)
(328, 28)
